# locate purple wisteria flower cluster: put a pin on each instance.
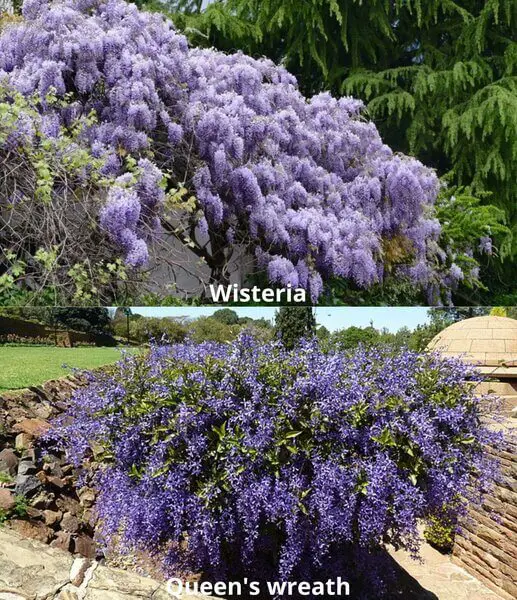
(306, 184)
(251, 460)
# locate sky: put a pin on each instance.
(332, 318)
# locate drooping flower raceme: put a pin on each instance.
(306, 184)
(125, 66)
(250, 460)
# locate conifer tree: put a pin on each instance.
(293, 323)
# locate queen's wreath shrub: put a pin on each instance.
(213, 151)
(246, 459)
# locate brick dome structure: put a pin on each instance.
(488, 545)
(485, 341)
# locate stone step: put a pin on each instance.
(32, 570)
(501, 388)
(508, 404)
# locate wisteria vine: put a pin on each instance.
(306, 185)
(251, 460)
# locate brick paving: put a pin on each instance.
(438, 578)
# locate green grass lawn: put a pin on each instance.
(23, 366)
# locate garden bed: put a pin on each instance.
(223, 404)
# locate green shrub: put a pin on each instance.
(439, 532)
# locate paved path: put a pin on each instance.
(440, 578)
(31, 570)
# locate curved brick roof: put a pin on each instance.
(487, 341)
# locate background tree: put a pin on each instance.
(257, 329)
(142, 329)
(443, 317)
(261, 323)
(227, 316)
(95, 319)
(210, 329)
(351, 337)
(167, 328)
(293, 323)
(418, 338)
(322, 333)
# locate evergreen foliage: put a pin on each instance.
(293, 323)
(452, 97)
(226, 316)
(93, 319)
(351, 337)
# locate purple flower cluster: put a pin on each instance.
(318, 191)
(307, 184)
(129, 68)
(251, 460)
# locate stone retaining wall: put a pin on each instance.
(31, 570)
(487, 548)
(61, 337)
(55, 510)
(45, 401)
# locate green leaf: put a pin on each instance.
(292, 434)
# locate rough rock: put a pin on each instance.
(53, 468)
(106, 580)
(62, 541)
(7, 501)
(34, 513)
(27, 485)
(43, 499)
(68, 593)
(56, 481)
(67, 504)
(88, 517)
(67, 469)
(27, 467)
(85, 546)
(26, 482)
(8, 461)
(86, 497)
(70, 523)
(33, 427)
(22, 441)
(31, 570)
(52, 517)
(34, 530)
(29, 454)
(78, 571)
